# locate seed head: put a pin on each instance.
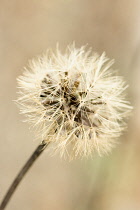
(75, 100)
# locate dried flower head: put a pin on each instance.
(74, 100)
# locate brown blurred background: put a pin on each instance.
(28, 28)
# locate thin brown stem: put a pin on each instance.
(21, 174)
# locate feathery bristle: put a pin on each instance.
(75, 100)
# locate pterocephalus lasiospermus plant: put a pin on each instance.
(75, 100)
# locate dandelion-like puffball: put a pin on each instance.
(75, 100)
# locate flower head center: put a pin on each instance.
(63, 102)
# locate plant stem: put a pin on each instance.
(21, 174)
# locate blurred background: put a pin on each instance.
(28, 28)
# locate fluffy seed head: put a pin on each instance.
(75, 100)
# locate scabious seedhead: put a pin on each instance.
(75, 100)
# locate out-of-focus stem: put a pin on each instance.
(21, 174)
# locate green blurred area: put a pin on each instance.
(28, 28)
